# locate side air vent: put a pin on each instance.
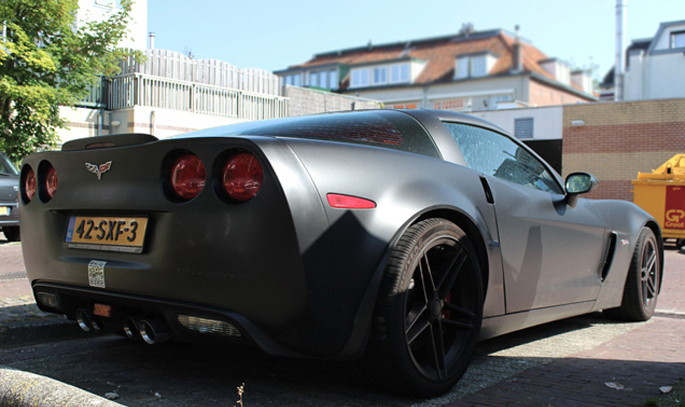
(609, 256)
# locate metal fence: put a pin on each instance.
(135, 89)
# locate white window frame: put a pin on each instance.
(380, 75)
(677, 35)
(479, 66)
(323, 79)
(333, 79)
(400, 73)
(360, 77)
(461, 67)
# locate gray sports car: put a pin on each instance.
(396, 239)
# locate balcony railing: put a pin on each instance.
(95, 98)
(129, 90)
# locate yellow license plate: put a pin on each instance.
(107, 233)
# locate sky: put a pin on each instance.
(273, 35)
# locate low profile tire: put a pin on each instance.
(428, 313)
(643, 282)
(12, 233)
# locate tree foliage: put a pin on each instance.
(46, 61)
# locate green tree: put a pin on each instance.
(47, 62)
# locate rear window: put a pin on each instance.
(388, 129)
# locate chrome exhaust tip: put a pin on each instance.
(154, 331)
(84, 318)
(130, 325)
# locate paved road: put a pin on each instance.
(559, 364)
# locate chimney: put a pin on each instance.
(620, 62)
(517, 50)
(151, 40)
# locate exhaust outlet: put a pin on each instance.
(130, 325)
(154, 331)
(84, 317)
(103, 325)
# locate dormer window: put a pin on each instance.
(678, 39)
(380, 75)
(478, 66)
(462, 68)
(400, 73)
(474, 65)
(360, 77)
(558, 69)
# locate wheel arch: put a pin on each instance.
(363, 327)
(469, 227)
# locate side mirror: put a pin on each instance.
(579, 183)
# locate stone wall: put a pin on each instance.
(303, 101)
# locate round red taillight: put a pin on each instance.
(242, 177)
(30, 185)
(50, 181)
(188, 176)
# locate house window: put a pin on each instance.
(288, 80)
(313, 79)
(478, 66)
(678, 39)
(323, 77)
(360, 77)
(399, 73)
(333, 79)
(523, 127)
(380, 75)
(462, 68)
(297, 81)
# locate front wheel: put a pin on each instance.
(643, 282)
(429, 311)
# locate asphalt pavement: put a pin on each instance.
(586, 368)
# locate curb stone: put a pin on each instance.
(23, 389)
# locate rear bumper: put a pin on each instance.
(242, 330)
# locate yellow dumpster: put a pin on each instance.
(662, 194)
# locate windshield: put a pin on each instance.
(6, 167)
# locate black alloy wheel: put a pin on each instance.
(643, 282)
(429, 310)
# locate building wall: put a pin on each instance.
(618, 140)
(98, 10)
(541, 94)
(547, 121)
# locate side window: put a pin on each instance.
(495, 154)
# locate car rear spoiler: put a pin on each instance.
(118, 140)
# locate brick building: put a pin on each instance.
(468, 71)
(617, 140)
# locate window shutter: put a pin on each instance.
(523, 127)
